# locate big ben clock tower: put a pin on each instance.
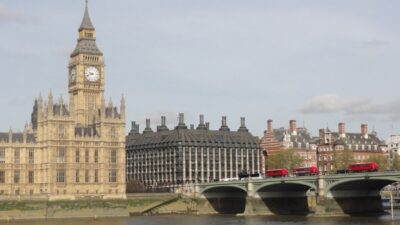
(86, 74)
(74, 150)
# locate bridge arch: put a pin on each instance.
(382, 180)
(209, 188)
(357, 194)
(226, 199)
(300, 183)
(286, 197)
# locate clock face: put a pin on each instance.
(72, 75)
(92, 74)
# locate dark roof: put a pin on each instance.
(89, 131)
(300, 140)
(358, 139)
(86, 22)
(193, 138)
(17, 137)
(60, 108)
(86, 46)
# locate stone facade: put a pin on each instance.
(179, 156)
(69, 151)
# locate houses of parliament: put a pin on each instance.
(69, 151)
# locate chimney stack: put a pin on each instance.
(269, 126)
(364, 130)
(181, 118)
(342, 130)
(243, 127)
(293, 127)
(224, 126)
(181, 121)
(148, 128)
(163, 126)
(201, 125)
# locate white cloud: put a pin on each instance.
(354, 107)
(376, 43)
(7, 15)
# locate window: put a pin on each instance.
(60, 176)
(96, 176)
(96, 156)
(112, 176)
(2, 177)
(77, 176)
(16, 156)
(113, 156)
(86, 155)
(61, 131)
(113, 132)
(86, 176)
(2, 155)
(31, 156)
(31, 177)
(61, 155)
(77, 156)
(16, 177)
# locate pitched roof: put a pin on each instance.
(192, 137)
(86, 22)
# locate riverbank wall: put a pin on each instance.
(144, 204)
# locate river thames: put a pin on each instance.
(217, 220)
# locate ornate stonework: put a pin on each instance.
(69, 151)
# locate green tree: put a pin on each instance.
(342, 159)
(396, 162)
(285, 158)
(382, 161)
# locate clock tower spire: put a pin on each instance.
(86, 73)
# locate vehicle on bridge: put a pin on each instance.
(363, 167)
(305, 171)
(245, 175)
(283, 172)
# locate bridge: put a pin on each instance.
(355, 193)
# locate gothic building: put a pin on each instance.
(188, 155)
(69, 151)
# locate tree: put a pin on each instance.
(396, 161)
(342, 159)
(135, 186)
(382, 161)
(285, 158)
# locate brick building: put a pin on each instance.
(362, 145)
(297, 138)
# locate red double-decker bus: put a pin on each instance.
(283, 172)
(306, 171)
(363, 167)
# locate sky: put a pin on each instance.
(317, 62)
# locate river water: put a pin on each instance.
(218, 220)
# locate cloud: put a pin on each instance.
(352, 106)
(7, 15)
(376, 43)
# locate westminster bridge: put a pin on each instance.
(355, 193)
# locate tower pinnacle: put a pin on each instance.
(86, 22)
